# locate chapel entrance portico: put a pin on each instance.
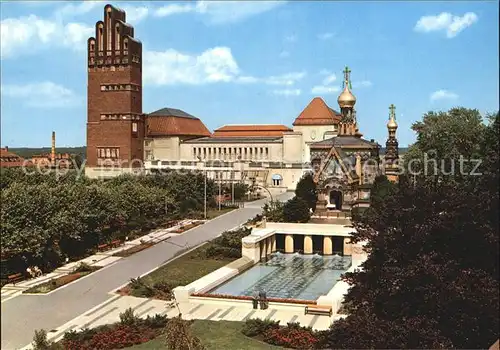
(334, 200)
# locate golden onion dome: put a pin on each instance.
(346, 98)
(391, 124)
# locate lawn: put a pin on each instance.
(215, 335)
(183, 270)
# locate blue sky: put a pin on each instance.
(253, 62)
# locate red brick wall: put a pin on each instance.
(103, 69)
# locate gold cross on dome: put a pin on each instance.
(347, 73)
(392, 111)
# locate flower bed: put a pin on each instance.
(290, 336)
(244, 297)
(134, 249)
(131, 330)
(60, 281)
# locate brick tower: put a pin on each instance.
(115, 123)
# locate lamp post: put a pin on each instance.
(220, 188)
(254, 185)
(205, 196)
(205, 188)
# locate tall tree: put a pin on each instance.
(306, 189)
(431, 279)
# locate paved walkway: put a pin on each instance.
(101, 259)
(109, 312)
(23, 314)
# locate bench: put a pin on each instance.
(15, 278)
(318, 310)
(115, 243)
(102, 247)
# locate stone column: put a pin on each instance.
(327, 245)
(273, 243)
(288, 243)
(262, 246)
(269, 247)
(347, 246)
(308, 245)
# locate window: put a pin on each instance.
(134, 127)
(277, 179)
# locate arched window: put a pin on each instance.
(117, 36)
(100, 37)
(108, 29)
(277, 179)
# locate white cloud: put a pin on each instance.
(77, 8)
(361, 84)
(41, 95)
(220, 12)
(76, 35)
(325, 72)
(447, 22)
(285, 79)
(325, 36)
(329, 79)
(172, 9)
(291, 38)
(214, 65)
(30, 33)
(443, 95)
(172, 67)
(135, 14)
(324, 90)
(284, 54)
(287, 92)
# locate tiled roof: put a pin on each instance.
(252, 139)
(250, 130)
(317, 113)
(175, 126)
(171, 112)
(340, 141)
(173, 121)
(9, 159)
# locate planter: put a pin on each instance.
(55, 283)
(134, 249)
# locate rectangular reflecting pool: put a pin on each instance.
(294, 276)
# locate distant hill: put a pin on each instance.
(29, 152)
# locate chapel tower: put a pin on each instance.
(346, 100)
(391, 147)
(115, 123)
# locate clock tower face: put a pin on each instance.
(313, 135)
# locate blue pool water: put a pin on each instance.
(294, 276)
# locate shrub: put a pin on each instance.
(156, 321)
(163, 290)
(40, 341)
(293, 336)
(83, 267)
(139, 287)
(179, 336)
(296, 210)
(128, 317)
(255, 327)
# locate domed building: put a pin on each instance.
(122, 138)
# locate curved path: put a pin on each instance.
(22, 315)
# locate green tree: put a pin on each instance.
(431, 279)
(273, 211)
(296, 210)
(306, 189)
